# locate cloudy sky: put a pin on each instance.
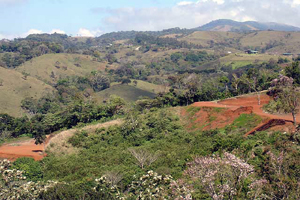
(18, 18)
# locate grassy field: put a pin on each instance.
(205, 37)
(15, 87)
(50, 67)
(240, 60)
(127, 92)
(143, 85)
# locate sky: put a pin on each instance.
(19, 18)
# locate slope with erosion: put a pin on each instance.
(15, 87)
(50, 67)
(219, 114)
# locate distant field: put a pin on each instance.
(150, 87)
(50, 67)
(15, 88)
(204, 38)
(240, 60)
(127, 92)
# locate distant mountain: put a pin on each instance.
(227, 25)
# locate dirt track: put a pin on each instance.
(249, 101)
(28, 148)
(245, 101)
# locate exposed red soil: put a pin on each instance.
(208, 118)
(243, 104)
(26, 148)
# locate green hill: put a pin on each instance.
(49, 68)
(127, 92)
(272, 42)
(15, 87)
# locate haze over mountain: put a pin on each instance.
(231, 25)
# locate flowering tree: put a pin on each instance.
(149, 186)
(13, 184)
(220, 177)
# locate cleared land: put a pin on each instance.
(127, 92)
(15, 87)
(50, 67)
(244, 105)
(240, 60)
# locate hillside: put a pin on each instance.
(127, 92)
(50, 67)
(15, 87)
(273, 42)
(227, 25)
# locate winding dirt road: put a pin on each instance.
(28, 148)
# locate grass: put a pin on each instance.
(15, 87)
(127, 92)
(143, 85)
(286, 41)
(241, 60)
(150, 87)
(244, 121)
(50, 67)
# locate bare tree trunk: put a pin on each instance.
(258, 97)
(294, 118)
(44, 143)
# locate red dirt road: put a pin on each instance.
(26, 148)
(271, 120)
(246, 101)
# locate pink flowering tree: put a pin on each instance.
(221, 177)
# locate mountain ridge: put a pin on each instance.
(227, 25)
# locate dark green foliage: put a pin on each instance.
(293, 71)
(32, 169)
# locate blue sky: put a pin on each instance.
(19, 18)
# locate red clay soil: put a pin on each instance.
(235, 104)
(207, 118)
(19, 149)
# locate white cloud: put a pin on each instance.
(189, 14)
(85, 33)
(33, 31)
(88, 33)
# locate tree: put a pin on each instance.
(99, 82)
(288, 101)
(293, 71)
(221, 177)
(251, 80)
(39, 134)
(286, 97)
(143, 157)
